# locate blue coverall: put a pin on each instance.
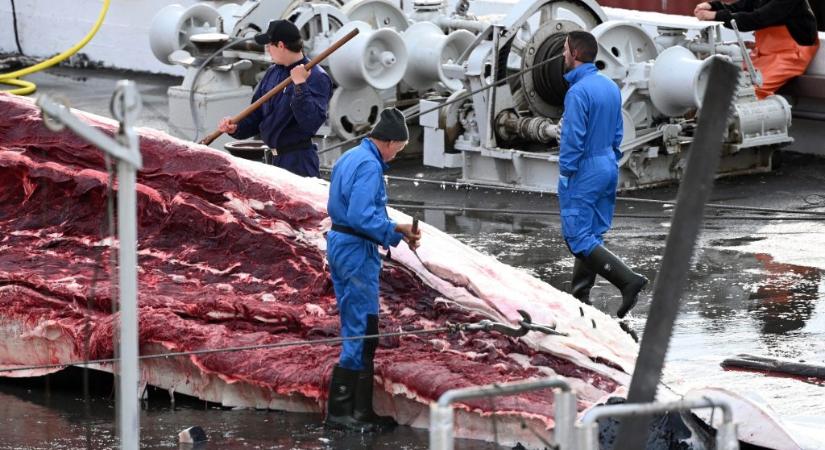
(591, 134)
(291, 117)
(358, 199)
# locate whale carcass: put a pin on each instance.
(232, 253)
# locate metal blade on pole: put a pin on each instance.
(694, 191)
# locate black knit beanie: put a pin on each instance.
(391, 126)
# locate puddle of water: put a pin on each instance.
(734, 303)
(36, 416)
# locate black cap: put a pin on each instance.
(391, 126)
(279, 31)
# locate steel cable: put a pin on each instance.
(533, 212)
(810, 198)
(336, 340)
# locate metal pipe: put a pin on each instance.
(441, 412)
(534, 129)
(810, 115)
(476, 26)
(125, 107)
(127, 104)
(588, 429)
(726, 49)
(756, 77)
(490, 390)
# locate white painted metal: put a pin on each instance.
(439, 131)
(678, 81)
(759, 122)
(376, 58)
(441, 412)
(211, 105)
(506, 135)
(354, 111)
(377, 13)
(588, 429)
(173, 26)
(318, 23)
(430, 49)
(229, 16)
(125, 108)
(621, 45)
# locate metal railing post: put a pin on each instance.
(126, 105)
(588, 430)
(125, 108)
(441, 412)
(565, 417)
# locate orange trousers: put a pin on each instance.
(779, 58)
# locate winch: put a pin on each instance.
(420, 55)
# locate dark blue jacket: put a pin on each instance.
(292, 116)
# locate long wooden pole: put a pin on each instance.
(281, 86)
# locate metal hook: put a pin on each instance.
(52, 123)
(489, 325)
(528, 325)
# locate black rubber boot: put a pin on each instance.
(608, 265)
(583, 280)
(363, 403)
(364, 388)
(341, 402)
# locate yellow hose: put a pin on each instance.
(27, 87)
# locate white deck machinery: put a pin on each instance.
(420, 55)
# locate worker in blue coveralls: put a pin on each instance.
(591, 134)
(287, 122)
(357, 207)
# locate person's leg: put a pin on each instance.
(582, 281)
(579, 203)
(312, 165)
(363, 409)
(346, 257)
(605, 203)
(576, 204)
(779, 58)
(602, 197)
(344, 260)
(613, 269)
(576, 217)
(366, 381)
